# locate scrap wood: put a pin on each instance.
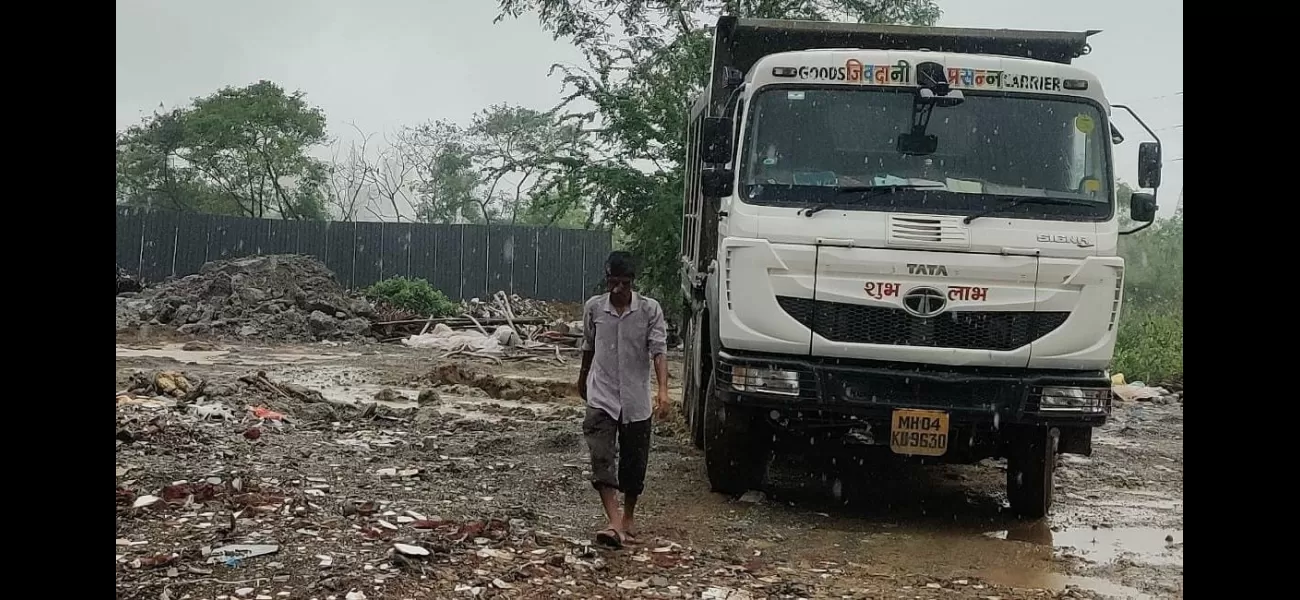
(290, 391)
(463, 321)
(476, 323)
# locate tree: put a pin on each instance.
(239, 151)
(446, 176)
(509, 164)
(645, 61)
(523, 153)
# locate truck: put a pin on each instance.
(902, 240)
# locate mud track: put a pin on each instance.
(493, 467)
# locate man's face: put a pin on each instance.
(620, 287)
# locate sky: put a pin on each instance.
(383, 64)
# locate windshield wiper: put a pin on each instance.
(1028, 200)
(868, 192)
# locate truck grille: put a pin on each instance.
(972, 330)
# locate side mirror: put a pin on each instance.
(717, 183)
(715, 140)
(1142, 207)
(1149, 165)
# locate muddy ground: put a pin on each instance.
(482, 492)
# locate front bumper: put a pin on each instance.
(834, 392)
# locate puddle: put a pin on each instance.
(174, 352)
(1058, 582)
(212, 357)
(1147, 545)
(343, 385)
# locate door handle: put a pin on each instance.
(1021, 251)
(834, 242)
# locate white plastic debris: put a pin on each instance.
(1138, 391)
(144, 501)
(725, 593)
(442, 337)
(241, 551)
(410, 550)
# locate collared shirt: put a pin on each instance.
(623, 346)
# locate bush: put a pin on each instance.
(1149, 347)
(415, 295)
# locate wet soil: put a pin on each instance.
(503, 442)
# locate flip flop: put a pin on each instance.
(629, 538)
(610, 537)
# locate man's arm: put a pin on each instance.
(588, 349)
(657, 345)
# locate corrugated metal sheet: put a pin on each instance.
(159, 245)
(473, 262)
(396, 254)
(367, 254)
(130, 228)
(461, 260)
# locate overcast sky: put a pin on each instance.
(385, 63)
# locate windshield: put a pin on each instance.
(802, 144)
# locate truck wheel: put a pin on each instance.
(737, 446)
(1031, 462)
(698, 380)
(697, 409)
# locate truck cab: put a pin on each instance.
(901, 239)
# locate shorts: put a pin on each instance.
(608, 439)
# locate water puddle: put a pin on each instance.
(345, 385)
(174, 352)
(177, 353)
(1147, 545)
(1058, 582)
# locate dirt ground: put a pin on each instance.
(481, 491)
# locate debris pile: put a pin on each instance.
(494, 331)
(1141, 392)
(284, 298)
(126, 283)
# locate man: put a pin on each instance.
(623, 332)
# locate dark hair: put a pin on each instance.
(620, 264)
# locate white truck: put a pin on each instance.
(904, 238)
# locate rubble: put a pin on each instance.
(284, 297)
(127, 283)
(466, 495)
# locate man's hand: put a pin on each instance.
(582, 386)
(662, 404)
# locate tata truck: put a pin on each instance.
(902, 240)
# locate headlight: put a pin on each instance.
(767, 381)
(1073, 399)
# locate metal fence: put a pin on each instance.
(464, 261)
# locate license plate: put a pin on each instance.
(919, 432)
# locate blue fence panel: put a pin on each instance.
(464, 261)
(395, 258)
(130, 229)
(367, 254)
(159, 251)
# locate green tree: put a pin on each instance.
(510, 164)
(240, 151)
(645, 61)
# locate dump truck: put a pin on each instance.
(902, 240)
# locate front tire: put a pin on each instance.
(737, 445)
(1031, 463)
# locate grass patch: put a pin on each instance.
(1149, 347)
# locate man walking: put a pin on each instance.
(623, 332)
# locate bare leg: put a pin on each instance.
(609, 500)
(629, 514)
